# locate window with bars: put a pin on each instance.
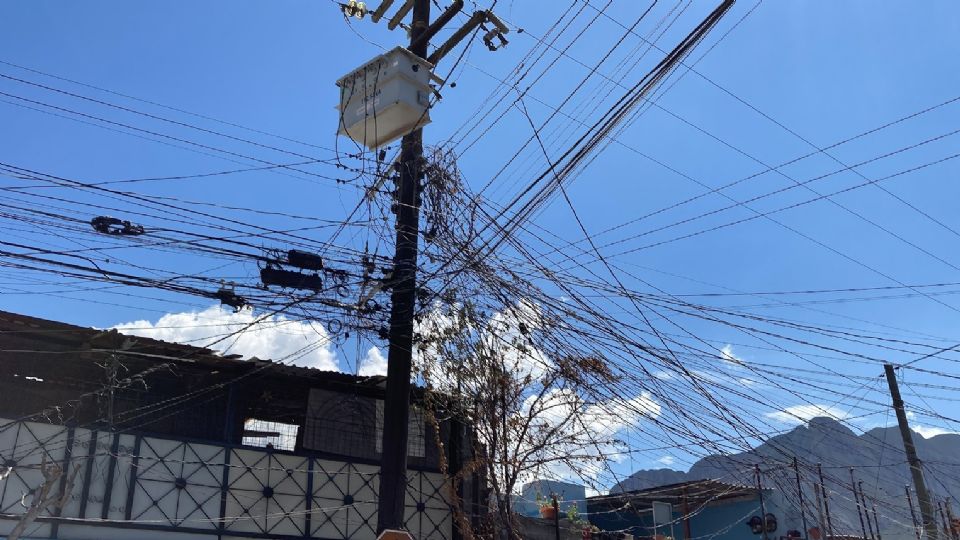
(353, 426)
(266, 433)
(416, 439)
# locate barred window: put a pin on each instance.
(262, 433)
(416, 440)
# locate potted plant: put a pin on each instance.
(547, 510)
(578, 523)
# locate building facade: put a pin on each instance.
(158, 440)
(697, 509)
(567, 493)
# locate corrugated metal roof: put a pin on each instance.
(15, 323)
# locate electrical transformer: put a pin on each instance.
(385, 99)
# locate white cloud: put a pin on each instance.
(374, 363)
(608, 418)
(667, 460)
(568, 438)
(586, 445)
(504, 336)
(930, 431)
(799, 414)
(728, 356)
(926, 431)
(275, 338)
(664, 375)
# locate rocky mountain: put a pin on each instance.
(876, 457)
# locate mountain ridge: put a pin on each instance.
(876, 457)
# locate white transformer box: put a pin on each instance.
(385, 99)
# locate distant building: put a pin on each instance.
(698, 509)
(568, 493)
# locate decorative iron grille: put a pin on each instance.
(132, 481)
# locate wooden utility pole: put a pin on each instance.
(927, 514)
(403, 298)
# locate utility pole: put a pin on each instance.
(952, 530)
(403, 297)
(403, 280)
(822, 524)
(803, 512)
(556, 516)
(876, 522)
(826, 501)
(913, 513)
(863, 499)
(763, 508)
(923, 496)
(943, 518)
(856, 498)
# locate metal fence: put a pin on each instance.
(155, 487)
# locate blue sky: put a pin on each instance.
(825, 70)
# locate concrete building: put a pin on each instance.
(697, 509)
(164, 441)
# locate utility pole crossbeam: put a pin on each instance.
(396, 410)
(927, 515)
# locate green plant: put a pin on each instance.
(573, 514)
(548, 501)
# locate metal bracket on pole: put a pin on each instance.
(400, 14)
(437, 25)
(378, 14)
(475, 20)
